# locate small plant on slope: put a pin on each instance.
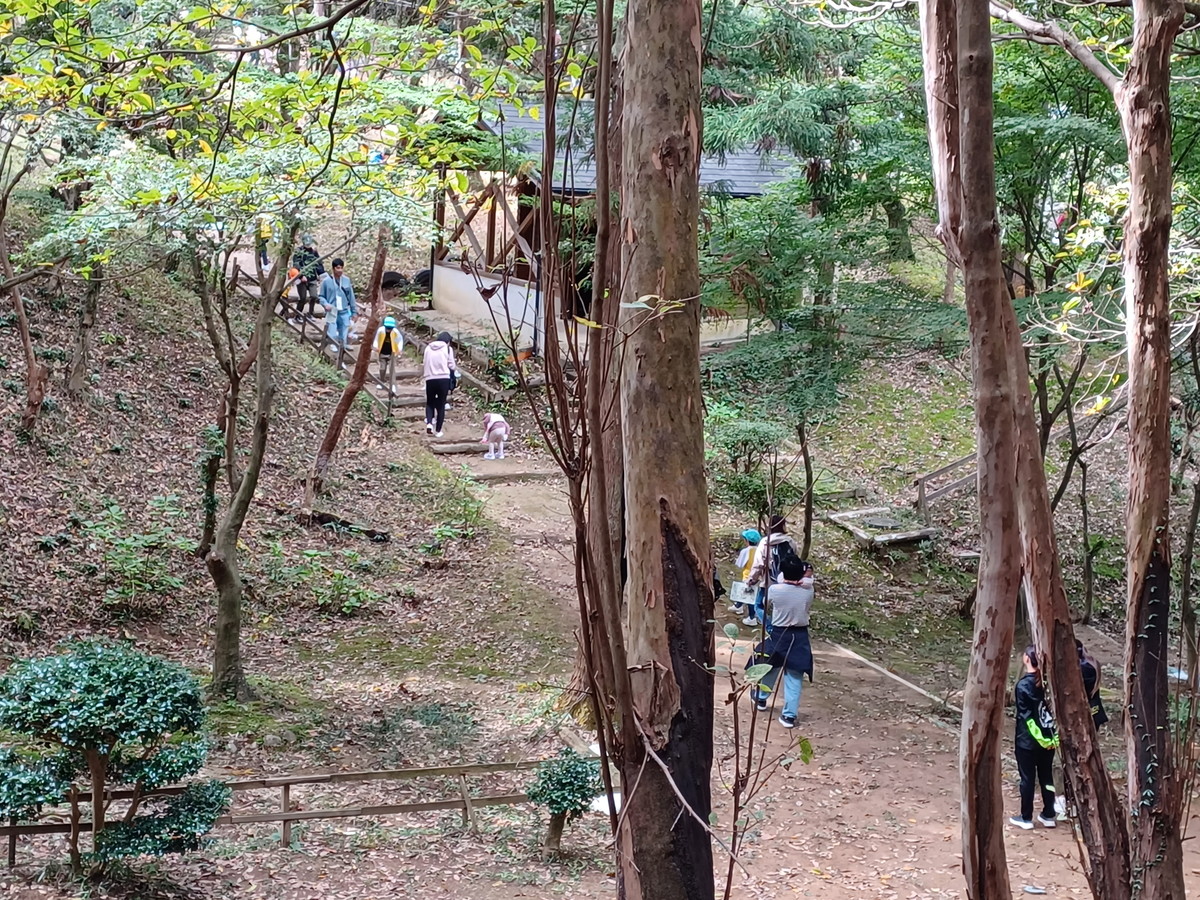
(566, 786)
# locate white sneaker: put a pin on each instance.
(429, 428)
(500, 455)
(1021, 823)
(489, 456)
(749, 620)
(735, 607)
(439, 434)
(1048, 823)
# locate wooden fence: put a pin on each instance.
(286, 815)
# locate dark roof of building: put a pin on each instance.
(745, 173)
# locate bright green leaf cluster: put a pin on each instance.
(177, 829)
(566, 784)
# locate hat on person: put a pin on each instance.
(389, 322)
(752, 535)
(306, 241)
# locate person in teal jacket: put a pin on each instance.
(1036, 741)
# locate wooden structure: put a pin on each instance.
(485, 261)
(884, 532)
(463, 801)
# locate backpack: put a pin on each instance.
(780, 552)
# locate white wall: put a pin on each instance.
(456, 294)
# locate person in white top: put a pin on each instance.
(441, 372)
(765, 568)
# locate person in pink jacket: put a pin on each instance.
(441, 373)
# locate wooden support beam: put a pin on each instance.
(285, 805)
(470, 234)
(519, 238)
(468, 809)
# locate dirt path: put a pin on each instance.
(876, 812)
(873, 815)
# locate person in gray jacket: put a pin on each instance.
(337, 296)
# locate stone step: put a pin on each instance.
(500, 477)
(461, 447)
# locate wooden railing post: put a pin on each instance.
(468, 808)
(285, 804)
(12, 843)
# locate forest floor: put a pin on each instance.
(460, 642)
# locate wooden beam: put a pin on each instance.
(298, 816)
(259, 784)
(387, 810)
(468, 806)
(470, 234)
(524, 244)
(463, 222)
(512, 241)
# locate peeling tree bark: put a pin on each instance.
(1155, 789)
(665, 852)
(956, 42)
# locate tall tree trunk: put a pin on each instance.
(1155, 789)
(1101, 817)
(665, 852)
(77, 372)
(362, 363)
(229, 676)
(958, 58)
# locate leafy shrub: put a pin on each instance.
(566, 784)
(748, 444)
(334, 588)
(137, 566)
(754, 493)
(114, 716)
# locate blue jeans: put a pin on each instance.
(793, 686)
(760, 611)
(337, 325)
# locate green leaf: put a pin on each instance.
(806, 750)
(757, 672)
(731, 630)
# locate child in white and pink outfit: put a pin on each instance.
(495, 433)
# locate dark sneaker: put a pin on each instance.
(760, 705)
(1021, 823)
(787, 721)
(1047, 822)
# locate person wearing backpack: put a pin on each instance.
(768, 565)
(1035, 742)
(786, 646)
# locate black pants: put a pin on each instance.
(436, 392)
(306, 291)
(1037, 765)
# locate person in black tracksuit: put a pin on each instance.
(1035, 743)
